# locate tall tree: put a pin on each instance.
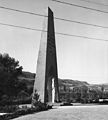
(9, 72)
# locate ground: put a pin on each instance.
(93, 112)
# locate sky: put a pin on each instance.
(77, 58)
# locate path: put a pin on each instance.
(97, 112)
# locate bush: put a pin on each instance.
(36, 102)
(22, 101)
(8, 108)
(15, 102)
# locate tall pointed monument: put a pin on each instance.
(46, 81)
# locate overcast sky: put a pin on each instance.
(78, 58)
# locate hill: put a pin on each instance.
(70, 90)
(73, 83)
(28, 78)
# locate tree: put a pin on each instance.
(35, 100)
(9, 72)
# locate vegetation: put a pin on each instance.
(36, 102)
(16, 88)
(9, 72)
(15, 111)
(12, 90)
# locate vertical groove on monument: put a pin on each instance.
(46, 81)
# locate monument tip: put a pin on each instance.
(49, 9)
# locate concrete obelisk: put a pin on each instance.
(46, 81)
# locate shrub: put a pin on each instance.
(15, 102)
(9, 108)
(36, 102)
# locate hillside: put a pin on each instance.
(29, 78)
(69, 82)
(70, 90)
(27, 75)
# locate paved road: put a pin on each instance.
(97, 112)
